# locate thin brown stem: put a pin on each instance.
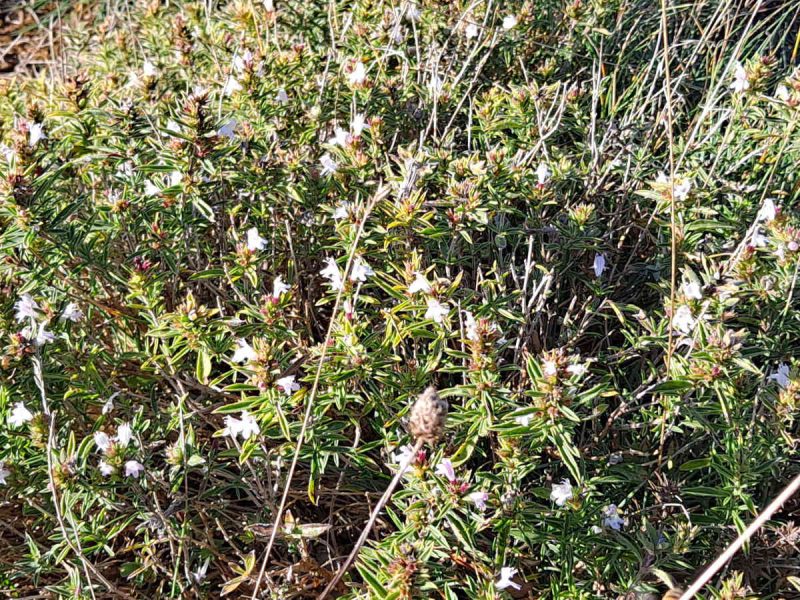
(371, 523)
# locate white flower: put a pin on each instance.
(767, 212)
(36, 134)
(133, 468)
(599, 264)
(339, 138)
(615, 458)
(348, 309)
(436, 311)
(228, 130)
(124, 434)
(782, 93)
(445, 469)
(151, 189)
(682, 189)
(342, 211)
(173, 126)
(479, 499)
(578, 369)
(358, 125)
(254, 240)
(109, 405)
(412, 12)
(27, 308)
(287, 384)
(329, 165)
(3, 472)
(7, 152)
(506, 574)
(102, 441)
(43, 336)
(682, 320)
(279, 287)
(240, 62)
(403, 455)
(691, 289)
(471, 31)
(611, 518)
(397, 34)
(244, 352)
(200, 574)
(781, 376)
(471, 326)
(550, 369)
(247, 426)
(509, 22)
(523, 420)
(149, 69)
(105, 468)
(759, 240)
(435, 85)
(72, 313)
(420, 284)
(331, 273)
(19, 415)
(561, 492)
(282, 97)
(231, 86)
(361, 270)
(741, 82)
(358, 75)
(543, 174)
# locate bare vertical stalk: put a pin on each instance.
(371, 523)
(672, 220)
(789, 491)
(379, 195)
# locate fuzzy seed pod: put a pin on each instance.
(427, 417)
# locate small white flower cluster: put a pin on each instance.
(241, 62)
(358, 272)
(445, 469)
(36, 329)
(563, 492)
(105, 443)
(681, 187)
(436, 311)
(246, 426)
(343, 138)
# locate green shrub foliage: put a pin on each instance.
(237, 241)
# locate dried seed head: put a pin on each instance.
(426, 420)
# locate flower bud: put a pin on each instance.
(426, 421)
